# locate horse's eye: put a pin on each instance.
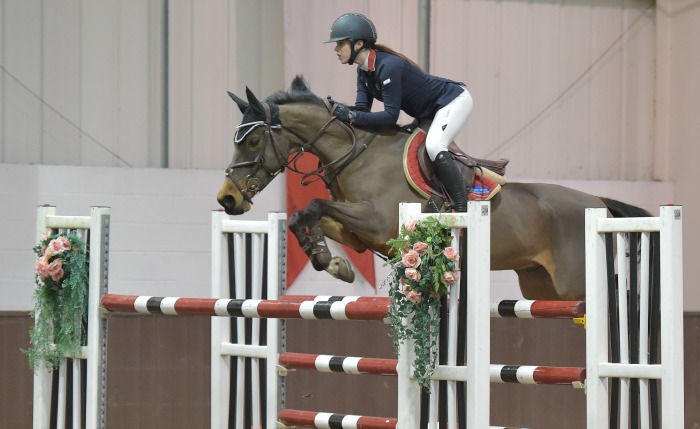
(254, 142)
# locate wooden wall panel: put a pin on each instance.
(158, 372)
(17, 383)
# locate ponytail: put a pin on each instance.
(388, 50)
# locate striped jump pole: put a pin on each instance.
(523, 309)
(373, 309)
(312, 419)
(348, 365)
(520, 374)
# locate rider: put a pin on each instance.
(401, 84)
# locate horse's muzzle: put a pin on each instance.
(229, 204)
(232, 205)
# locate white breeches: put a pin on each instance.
(447, 123)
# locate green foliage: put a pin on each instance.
(60, 300)
(423, 268)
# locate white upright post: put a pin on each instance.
(671, 242)
(597, 409)
(96, 379)
(478, 314)
(276, 280)
(220, 327)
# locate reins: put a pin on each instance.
(336, 166)
(346, 159)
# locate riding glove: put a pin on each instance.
(343, 112)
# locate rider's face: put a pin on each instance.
(342, 50)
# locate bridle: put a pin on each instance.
(254, 185)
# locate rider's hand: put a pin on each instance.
(343, 112)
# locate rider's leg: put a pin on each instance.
(446, 124)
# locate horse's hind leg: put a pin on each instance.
(536, 283)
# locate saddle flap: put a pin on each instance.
(420, 174)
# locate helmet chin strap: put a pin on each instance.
(353, 52)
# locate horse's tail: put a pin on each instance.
(620, 209)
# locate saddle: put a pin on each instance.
(483, 176)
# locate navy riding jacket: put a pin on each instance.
(401, 86)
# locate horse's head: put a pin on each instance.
(258, 155)
(286, 122)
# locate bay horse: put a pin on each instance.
(537, 229)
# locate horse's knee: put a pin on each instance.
(296, 222)
(315, 209)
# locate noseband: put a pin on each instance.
(253, 184)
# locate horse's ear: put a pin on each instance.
(299, 84)
(255, 104)
(242, 104)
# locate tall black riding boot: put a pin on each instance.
(452, 180)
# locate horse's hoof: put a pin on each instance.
(341, 270)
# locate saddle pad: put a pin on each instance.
(483, 188)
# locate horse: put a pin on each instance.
(537, 229)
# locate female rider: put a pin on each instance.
(397, 81)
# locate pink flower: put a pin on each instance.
(412, 295)
(450, 277)
(55, 269)
(411, 259)
(42, 268)
(412, 274)
(59, 245)
(421, 247)
(451, 253)
(58, 275)
(411, 225)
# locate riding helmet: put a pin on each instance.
(353, 26)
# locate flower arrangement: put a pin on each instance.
(423, 268)
(60, 300)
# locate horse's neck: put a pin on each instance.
(333, 143)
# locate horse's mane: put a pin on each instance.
(298, 93)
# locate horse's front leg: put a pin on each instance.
(305, 227)
(352, 224)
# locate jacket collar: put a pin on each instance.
(368, 65)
